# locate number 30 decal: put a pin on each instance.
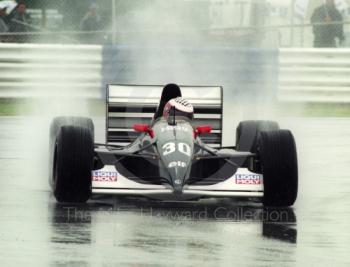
(185, 149)
(171, 147)
(168, 148)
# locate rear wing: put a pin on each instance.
(131, 104)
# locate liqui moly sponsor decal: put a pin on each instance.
(248, 178)
(104, 176)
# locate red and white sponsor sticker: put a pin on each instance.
(252, 179)
(104, 176)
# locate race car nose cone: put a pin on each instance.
(177, 185)
(177, 176)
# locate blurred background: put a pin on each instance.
(260, 51)
(113, 21)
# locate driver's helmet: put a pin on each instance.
(178, 107)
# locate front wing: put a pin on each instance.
(242, 184)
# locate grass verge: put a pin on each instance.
(314, 110)
(9, 107)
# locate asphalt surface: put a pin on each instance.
(36, 231)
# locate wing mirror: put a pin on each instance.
(202, 129)
(144, 128)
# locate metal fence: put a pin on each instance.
(61, 21)
(228, 22)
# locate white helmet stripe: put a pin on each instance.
(182, 104)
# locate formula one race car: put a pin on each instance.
(171, 150)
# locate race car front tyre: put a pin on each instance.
(72, 163)
(278, 156)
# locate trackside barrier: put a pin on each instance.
(304, 75)
(30, 70)
(36, 70)
(314, 75)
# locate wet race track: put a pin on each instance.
(35, 231)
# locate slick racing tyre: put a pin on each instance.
(73, 153)
(56, 125)
(278, 156)
(58, 122)
(247, 134)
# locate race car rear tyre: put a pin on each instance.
(247, 134)
(73, 161)
(278, 156)
(58, 122)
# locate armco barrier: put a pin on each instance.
(29, 70)
(314, 75)
(36, 70)
(300, 75)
